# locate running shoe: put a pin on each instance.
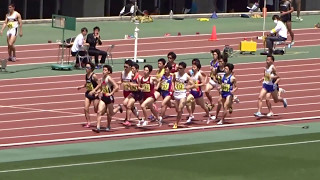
(291, 44)
(120, 108)
(135, 111)
(236, 99)
(211, 118)
(258, 114)
(13, 59)
(160, 121)
(190, 119)
(108, 128)
(285, 103)
(299, 18)
(96, 130)
(281, 90)
(127, 123)
(152, 118)
(87, 125)
(145, 123)
(175, 126)
(220, 122)
(270, 114)
(230, 110)
(140, 122)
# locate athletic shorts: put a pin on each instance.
(196, 94)
(268, 88)
(147, 95)
(224, 95)
(178, 96)
(212, 83)
(286, 18)
(137, 96)
(165, 93)
(126, 93)
(90, 97)
(107, 99)
(12, 32)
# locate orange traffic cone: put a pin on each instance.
(214, 34)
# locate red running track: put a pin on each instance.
(47, 111)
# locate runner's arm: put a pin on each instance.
(234, 84)
(20, 24)
(4, 26)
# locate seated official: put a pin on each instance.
(93, 39)
(128, 9)
(77, 47)
(279, 33)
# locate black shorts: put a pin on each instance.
(137, 96)
(286, 18)
(107, 99)
(90, 97)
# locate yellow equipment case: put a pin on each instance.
(248, 46)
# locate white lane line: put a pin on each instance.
(76, 94)
(162, 42)
(237, 75)
(158, 131)
(238, 64)
(164, 156)
(148, 51)
(116, 77)
(184, 114)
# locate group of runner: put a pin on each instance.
(177, 87)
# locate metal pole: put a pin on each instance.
(108, 8)
(41, 9)
(140, 5)
(62, 48)
(25, 9)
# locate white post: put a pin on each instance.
(264, 17)
(136, 35)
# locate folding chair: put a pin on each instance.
(279, 50)
(109, 53)
(83, 54)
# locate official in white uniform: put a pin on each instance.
(279, 33)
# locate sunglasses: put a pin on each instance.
(180, 68)
(88, 67)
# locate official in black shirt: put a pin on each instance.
(93, 39)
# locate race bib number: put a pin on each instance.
(179, 86)
(267, 77)
(219, 79)
(212, 75)
(134, 88)
(105, 90)
(225, 87)
(165, 86)
(126, 87)
(146, 87)
(10, 25)
(89, 86)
